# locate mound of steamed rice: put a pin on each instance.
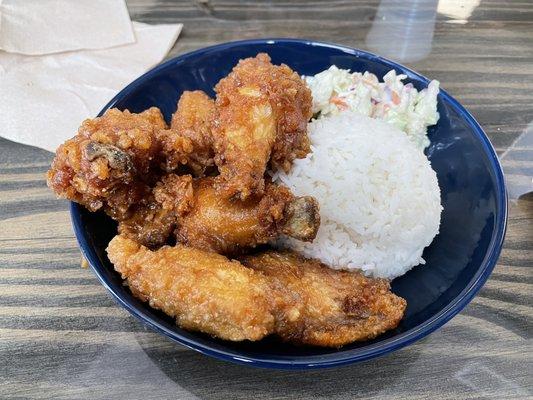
(379, 197)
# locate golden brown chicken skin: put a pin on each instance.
(193, 120)
(114, 163)
(315, 305)
(263, 110)
(220, 225)
(300, 300)
(110, 161)
(203, 291)
(199, 217)
(153, 219)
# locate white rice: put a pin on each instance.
(379, 197)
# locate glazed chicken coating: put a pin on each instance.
(193, 120)
(315, 305)
(110, 161)
(220, 225)
(263, 110)
(203, 291)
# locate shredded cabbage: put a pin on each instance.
(335, 90)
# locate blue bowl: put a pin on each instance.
(459, 260)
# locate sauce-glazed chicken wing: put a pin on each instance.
(263, 110)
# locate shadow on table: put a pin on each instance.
(208, 378)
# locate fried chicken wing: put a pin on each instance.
(203, 291)
(194, 121)
(263, 112)
(200, 218)
(315, 305)
(220, 225)
(156, 181)
(153, 219)
(110, 161)
(280, 293)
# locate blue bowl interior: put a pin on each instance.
(457, 263)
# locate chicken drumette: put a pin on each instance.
(204, 220)
(218, 224)
(114, 161)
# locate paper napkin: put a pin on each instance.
(43, 99)
(51, 26)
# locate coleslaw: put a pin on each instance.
(402, 105)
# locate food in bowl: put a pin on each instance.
(198, 212)
(336, 90)
(379, 197)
